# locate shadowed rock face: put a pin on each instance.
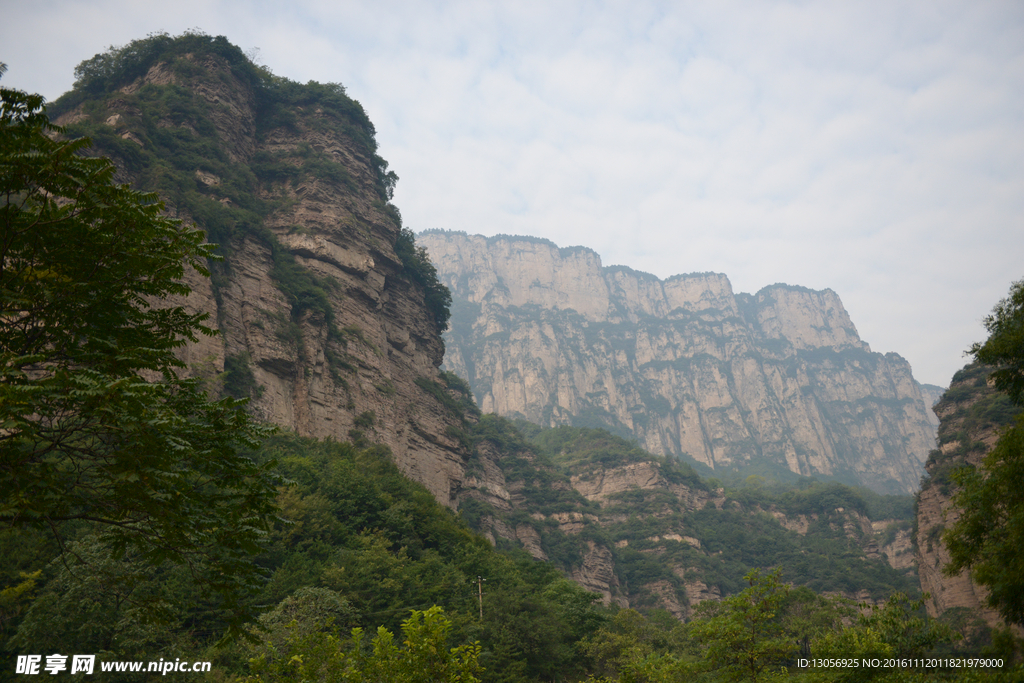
(308, 374)
(778, 380)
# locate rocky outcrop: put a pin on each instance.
(597, 574)
(777, 379)
(314, 310)
(888, 538)
(600, 484)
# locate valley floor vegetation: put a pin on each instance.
(367, 577)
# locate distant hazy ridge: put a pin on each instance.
(778, 381)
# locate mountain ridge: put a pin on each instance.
(779, 378)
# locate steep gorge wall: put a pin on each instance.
(349, 347)
(972, 414)
(778, 381)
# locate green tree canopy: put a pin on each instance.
(423, 656)
(1004, 348)
(743, 637)
(97, 428)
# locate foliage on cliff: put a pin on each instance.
(105, 73)
(644, 528)
(971, 410)
(419, 268)
(988, 537)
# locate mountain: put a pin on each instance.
(322, 304)
(972, 414)
(776, 382)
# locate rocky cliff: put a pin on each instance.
(320, 324)
(778, 381)
(972, 413)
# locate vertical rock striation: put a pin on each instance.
(778, 381)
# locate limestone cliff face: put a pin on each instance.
(311, 365)
(777, 380)
(972, 414)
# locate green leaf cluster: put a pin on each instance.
(423, 655)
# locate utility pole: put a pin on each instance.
(480, 594)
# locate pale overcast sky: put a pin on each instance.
(874, 148)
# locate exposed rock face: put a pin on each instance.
(600, 484)
(778, 379)
(597, 574)
(314, 371)
(971, 419)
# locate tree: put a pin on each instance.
(97, 427)
(743, 638)
(896, 629)
(324, 656)
(633, 649)
(988, 538)
(1004, 348)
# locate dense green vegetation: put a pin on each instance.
(368, 543)
(358, 546)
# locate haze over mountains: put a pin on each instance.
(776, 382)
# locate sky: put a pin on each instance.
(875, 148)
